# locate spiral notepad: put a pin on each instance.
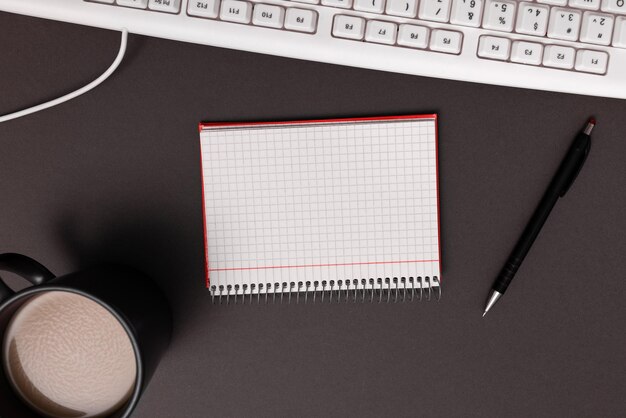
(322, 210)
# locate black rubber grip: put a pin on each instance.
(505, 277)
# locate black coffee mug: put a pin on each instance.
(131, 297)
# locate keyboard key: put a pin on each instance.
(526, 52)
(301, 20)
(532, 19)
(564, 24)
(236, 11)
(446, 41)
(435, 10)
(168, 6)
(372, 6)
(204, 8)
(138, 4)
(585, 4)
(553, 2)
(404, 8)
(466, 12)
(307, 1)
(268, 15)
(494, 48)
(592, 61)
(619, 38)
(614, 6)
(349, 27)
(499, 15)
(559, 56)
(381, 32)
(413, 36)
(103, 1)
(344, 4)
(596, 28)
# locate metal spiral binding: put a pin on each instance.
(388, 290)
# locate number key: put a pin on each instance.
(435, 10)
(344, 4)
(564, 24)
(499, 15)
(532, 19)
(585, 4)
(597, 28)
(554, 2)
(614, 6)
(466, 12)
(372, 6)
(404, 8)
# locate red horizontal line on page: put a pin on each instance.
(323, 265)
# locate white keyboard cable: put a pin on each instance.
(76, 93)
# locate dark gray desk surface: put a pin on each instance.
(114, 175)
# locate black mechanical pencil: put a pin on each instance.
(560, 184)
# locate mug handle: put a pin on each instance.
(25, 267)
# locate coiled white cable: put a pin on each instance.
(76, 93)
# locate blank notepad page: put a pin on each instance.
(352, 203)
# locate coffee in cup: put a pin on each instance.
(68, 357)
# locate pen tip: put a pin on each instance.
(592, 121)
(493, 298)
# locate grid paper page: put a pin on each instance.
(354, 202)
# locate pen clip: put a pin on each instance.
(580, 166)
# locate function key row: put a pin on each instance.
(389, 33)
(266, 15)
(532, 53)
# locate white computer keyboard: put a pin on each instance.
(574, 46)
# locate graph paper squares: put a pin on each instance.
(326, 201)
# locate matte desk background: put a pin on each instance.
(115, 175)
